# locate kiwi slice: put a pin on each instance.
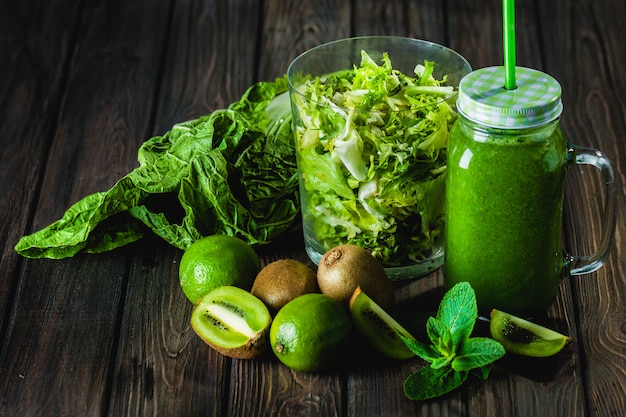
(523, 337)
(232, 321)
(380, 329)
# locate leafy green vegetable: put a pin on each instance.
(371, 146)
(231, 172)
(452, 352)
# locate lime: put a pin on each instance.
(523, 337)
(310, 332)
(215, 261)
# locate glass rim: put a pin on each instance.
(294, 88)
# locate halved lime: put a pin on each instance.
(523, 337)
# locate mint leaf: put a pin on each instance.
(443, 361)
(430, 383)
(483, 371)
(458, 311)
(422, 350)
(477, 352)
(440, 336)
(452, 353)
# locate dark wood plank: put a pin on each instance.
(591, 42)
(518, 387)
(109, 334)
(292, 27)
(162, 366)
(422, 20)
(366, 394)
(210, 61)
(268, 387)
(31, 84)
(62, 335)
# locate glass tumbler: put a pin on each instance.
(371, 117)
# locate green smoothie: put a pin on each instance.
(504, 214)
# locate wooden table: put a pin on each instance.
(83, 84)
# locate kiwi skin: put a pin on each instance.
(242, 304)
(283, 280)
(378, 327)
(252, 349)
(344, 268)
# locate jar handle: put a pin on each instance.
(578, 265)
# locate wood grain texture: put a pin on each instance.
(594, 112)
(71, 311)
(30, 92)
(62, 320)
(109, 334)
(210, 58)
(292, 27)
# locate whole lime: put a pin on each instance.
(311, 332)
(215, 261)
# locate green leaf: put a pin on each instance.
(441, 362)
(477, 352)
(458, 311)
(73, 232)
(429, 383)
(440, 336)
(372, 144)
(483, 371)
(231, 172)
(453, 352)
(422, 350)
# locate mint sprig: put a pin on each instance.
(453, 353)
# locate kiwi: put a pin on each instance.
(380, 329)
(523, 337)
(233, 322)
(281, 281)
(344, 268)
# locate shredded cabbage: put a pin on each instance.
(371, 149)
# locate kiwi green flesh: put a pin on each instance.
(522, 337)
(229, 318)
(378, 327)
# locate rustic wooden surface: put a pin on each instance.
(84, 83)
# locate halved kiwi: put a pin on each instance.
(378, 327)
(232, 321)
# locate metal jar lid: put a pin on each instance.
(483, 99)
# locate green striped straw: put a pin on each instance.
(508, 32)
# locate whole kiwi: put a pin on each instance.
(344, 268)
(283, 280)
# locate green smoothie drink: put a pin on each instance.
(505, 238)
(506, 164)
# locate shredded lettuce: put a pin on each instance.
(371, 149)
